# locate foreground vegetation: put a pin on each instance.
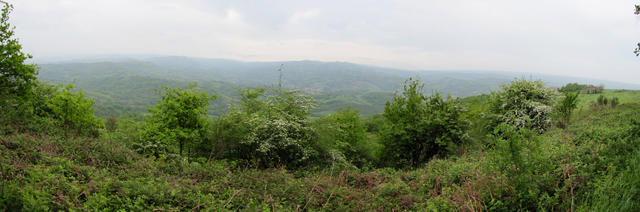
(525, 147)
(590, 165)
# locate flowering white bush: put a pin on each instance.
(277, 131)
(523, 103)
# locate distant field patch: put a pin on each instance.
(625, 96)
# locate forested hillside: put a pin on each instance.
(126, 85)
(192, 138)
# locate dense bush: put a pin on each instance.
(421, 127)
(344, 133)
(583, 88)
(74, 112)
(275, 129)
(528, 170)
(522, 103)
(618, 189)
(179, 118)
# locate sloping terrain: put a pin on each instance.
(122, 86)
(588, 166)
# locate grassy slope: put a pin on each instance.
(49, 173)
(625, 96)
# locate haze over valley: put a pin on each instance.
(122, 84)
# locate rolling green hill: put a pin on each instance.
(123, 86)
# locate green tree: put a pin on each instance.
(522, 103)
(566, 106)
(346, 133)
(74, 112)
(572, 87)
(180, 117)
(16, 77)
(421, 127)
(230, 128)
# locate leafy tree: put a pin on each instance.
(180, 117)
(592, 89)
(230, 128)
(571, 87)
(16, 77)
(421, 127)
(522, 103)
(566, 106)
(587, 89)
(74, 112)
(347, 133)
(374, 124)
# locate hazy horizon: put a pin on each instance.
(589, 39)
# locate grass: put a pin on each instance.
(625, 96)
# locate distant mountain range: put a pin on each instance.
(126, 84)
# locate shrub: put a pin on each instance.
(522, 103)
(421, 127)
(110, 124)
(565, 108)
(571, 87)
(275, 129)
(518, 156)
(74, 112)
(33, 115)
(345, 132)
(617, 190)
(583, 88)
(615, 102)
(602, 101)
(180, 117)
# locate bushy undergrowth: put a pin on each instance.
(589, 166)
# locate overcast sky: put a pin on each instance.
(587, 38)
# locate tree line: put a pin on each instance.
(271, 127)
